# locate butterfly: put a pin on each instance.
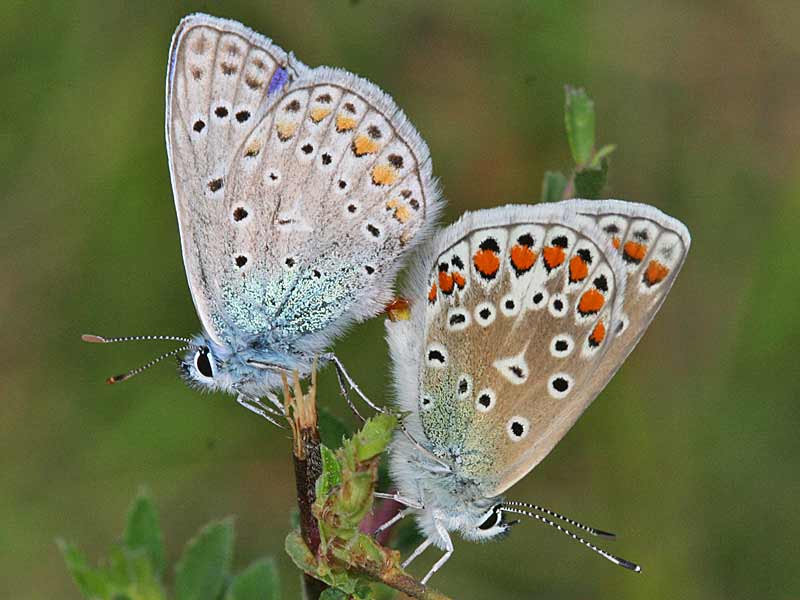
(520, 317)
(298, 192)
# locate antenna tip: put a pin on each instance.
(93, 339)
(629, 565)
(605, 534)
(117, 378)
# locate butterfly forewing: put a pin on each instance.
(221, 77)
(653, 247)
(529, 312)
(310, 200)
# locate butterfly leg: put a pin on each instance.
(276, 402)
(448, 551)
(258, 408)
(400, 515)
(353, 385)
(415, 504)
(346, 395)
(420, 549)
(341, 372)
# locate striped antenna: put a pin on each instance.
(614, 559)
(131, 373)
(98, 339)
(547, 511)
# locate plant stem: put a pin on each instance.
(301, 412)
(401, 581)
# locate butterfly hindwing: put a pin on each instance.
(296, 203)
(510, 360)
(343, 184)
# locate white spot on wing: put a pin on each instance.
(560, 385)
(514, 368)
(486, 400)
(561, 345)
(485, 314)
(518, 428)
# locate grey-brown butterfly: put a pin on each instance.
(298, 193)
(520, 316)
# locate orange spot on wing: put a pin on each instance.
(578, 269)
(591, 302)
(399, 212)
(364, 145)
(432, 294)
(285, 130)
(402, 214)
(317, 114)
(445, 282)
(634, 252)
(522, 258)
(344, 123)
(615, 242)
(655, 273)
(487, 262)
(384, 175)
(553, 256)
(458, 277)
(598, 335)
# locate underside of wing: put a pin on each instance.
(221, 78)
(335, 184)
(520, 307)
(517, 301)
(653, 247)
(320, 197)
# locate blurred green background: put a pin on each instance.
(692, 452)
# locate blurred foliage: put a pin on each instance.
(132, 570)
(691, 453)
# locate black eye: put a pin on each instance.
(203, 364)
(490, 521)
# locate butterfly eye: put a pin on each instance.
(490, 521)
(202, 363)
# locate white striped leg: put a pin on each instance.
(346, 396)
(341, 372)
(420, 549)
(417, 504)
(400, 515)
(353, 385)
(259, 408)
(276, 402)
(448, 544)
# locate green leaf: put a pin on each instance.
(579, 119)
(331, 472)
(306, 562)
(91, 582)
(259, 581)
(374, 436)
(144, 584)
(299, 553)
(553, 186)
(333, 594)
(331, 429)
(206, 562)
(604, 152)
(143, 531)
(589, 183)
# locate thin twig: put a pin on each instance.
(400, 581)
(301, 412)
